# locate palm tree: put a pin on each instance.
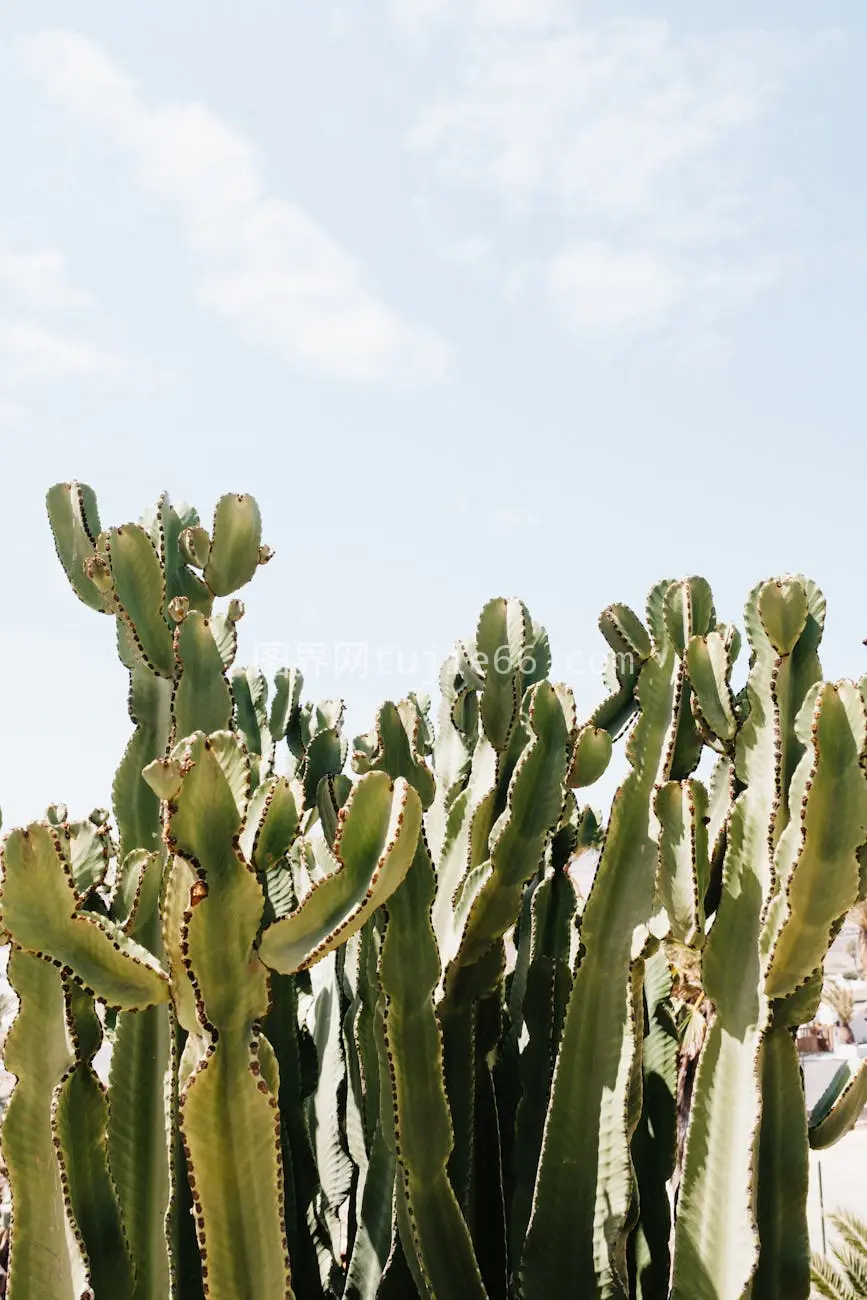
(841, 1001)
(858, 915)
(843, 1274)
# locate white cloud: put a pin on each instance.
(422, 19)
(265, 265)
(33, 353)
(49, 330)
(598, 119)
(39, 279)
(508, 521)
(600, 291)
(606, 295)
(629, 154)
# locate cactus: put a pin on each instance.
(367, 1039)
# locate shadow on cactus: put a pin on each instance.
(367, 1038)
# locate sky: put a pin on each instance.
(477, 297)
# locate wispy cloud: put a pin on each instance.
(38, 278)
(630, 154)
(50, 330)
(265, 265)
(35, 353)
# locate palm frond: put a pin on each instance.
(828, 1281)
(851, 1229)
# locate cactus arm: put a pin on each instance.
(376, 1230)
(630, 647)
(591, 755)
(46, 1258)
(581, 1202)
(453, 748)
(74, 518)
(202, 699)
(79, 1124)
(250, 693)
(273, 820)
(87, 848)
(654, 1140)
(236, 539)
(136, 807)
(817, 864)
(684, 867)
(535, 800)
(839, 1108)
(326, 1115)
(374, 849)
(40, 913)
(468, 806)
(434, 1232)
(138, 1161)
(394, 748)
(139, 587)
(291, 1040)
(166, 525)
(716, 1243)
(548, 984)
(709, 662)
(233, 1157)
(368, 1146)
(503, 632)
(782, 1173)
(375, 1224)
(233, 1150)
(285, 702)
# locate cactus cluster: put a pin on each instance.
(367, 1038)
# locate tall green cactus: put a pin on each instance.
(367, 1039)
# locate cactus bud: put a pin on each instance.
(98, 569)
(265, 554)
(99, 816)
(179, 608)
(195, 546)
(163, 776)
(235, 610)
(56, 814)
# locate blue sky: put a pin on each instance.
(476, 296)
